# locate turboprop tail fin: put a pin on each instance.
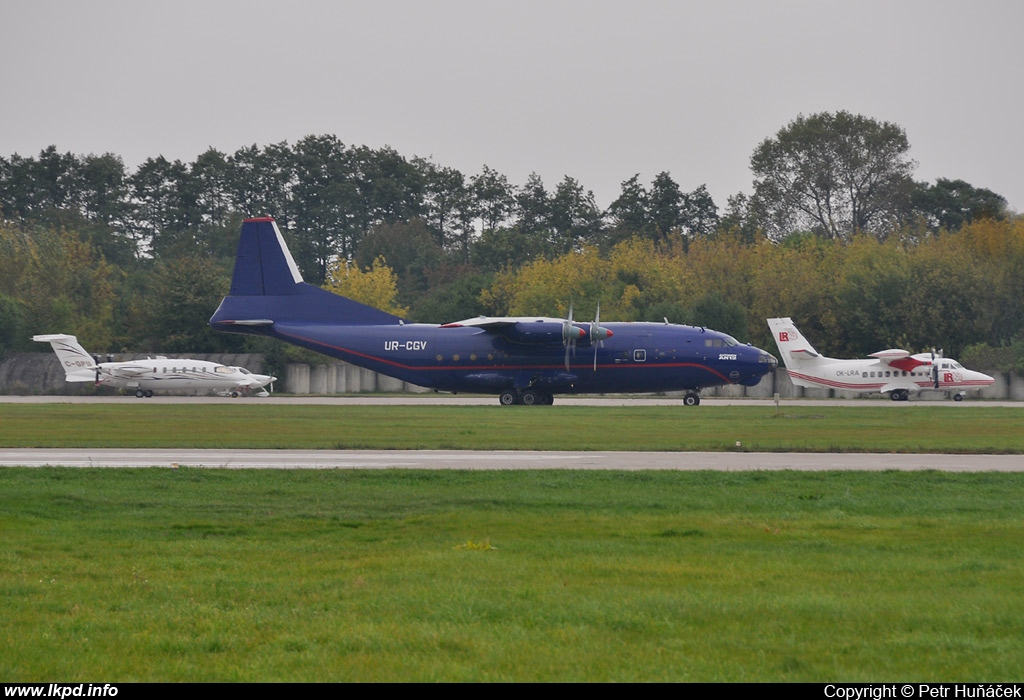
(77, 363)
(797, 353)
(267, 290)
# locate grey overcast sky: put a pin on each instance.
(598, 90)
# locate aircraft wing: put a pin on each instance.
(534, 330)
(899, 359)
(129, 371)
(80, 375)
(500, 322)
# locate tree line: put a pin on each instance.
(138, 260)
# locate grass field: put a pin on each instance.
(346, 575)
(211, 575)
(803, 429)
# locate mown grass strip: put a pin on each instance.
(216, 575)
(806, 429)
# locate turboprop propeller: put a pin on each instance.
(598, 333)
(571, 334)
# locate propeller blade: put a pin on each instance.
(570, 334)
(597, 333)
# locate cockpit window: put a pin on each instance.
(723, 342)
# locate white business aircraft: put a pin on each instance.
(154, 374)
(893, 372)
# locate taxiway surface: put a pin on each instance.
(479, 460)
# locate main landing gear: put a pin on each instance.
(691, 399)
(899, 394)
(143, 393)
(528, 397)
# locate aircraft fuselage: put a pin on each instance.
(638, 357)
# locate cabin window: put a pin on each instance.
(640, 356)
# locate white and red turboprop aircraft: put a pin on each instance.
(153, 374)
(893, 372)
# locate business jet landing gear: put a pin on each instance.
(528, 397)
(691, 399)
(899, 394)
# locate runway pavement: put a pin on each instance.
(465, 459)
(478, 460)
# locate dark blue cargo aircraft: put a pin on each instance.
(524, 360)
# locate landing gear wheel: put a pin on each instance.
(547, 399)
(530, 398)
(149, 393)
(139, 393)
(691, 399)
(508, 398)
(899, 395)
(958, 397)
(234, 394)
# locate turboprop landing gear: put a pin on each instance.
(899, 394)
(528, 397)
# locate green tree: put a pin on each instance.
(163, 217)
(949, 204)
(629, 214)
(63, 284)
(329, 218)
(183, 293)
(446, 199)
(494, 197)
(533, 207)
(699, 214)
(410, 250)
(834, 174)
(575, 218)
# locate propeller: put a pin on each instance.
(570, 334)
(598, 333)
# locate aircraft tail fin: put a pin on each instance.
(797, 353)
(267, 289)
(78, 365)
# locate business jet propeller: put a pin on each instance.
(598, 333)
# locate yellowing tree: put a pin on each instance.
(375, 286)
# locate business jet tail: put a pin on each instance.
(77, 363)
